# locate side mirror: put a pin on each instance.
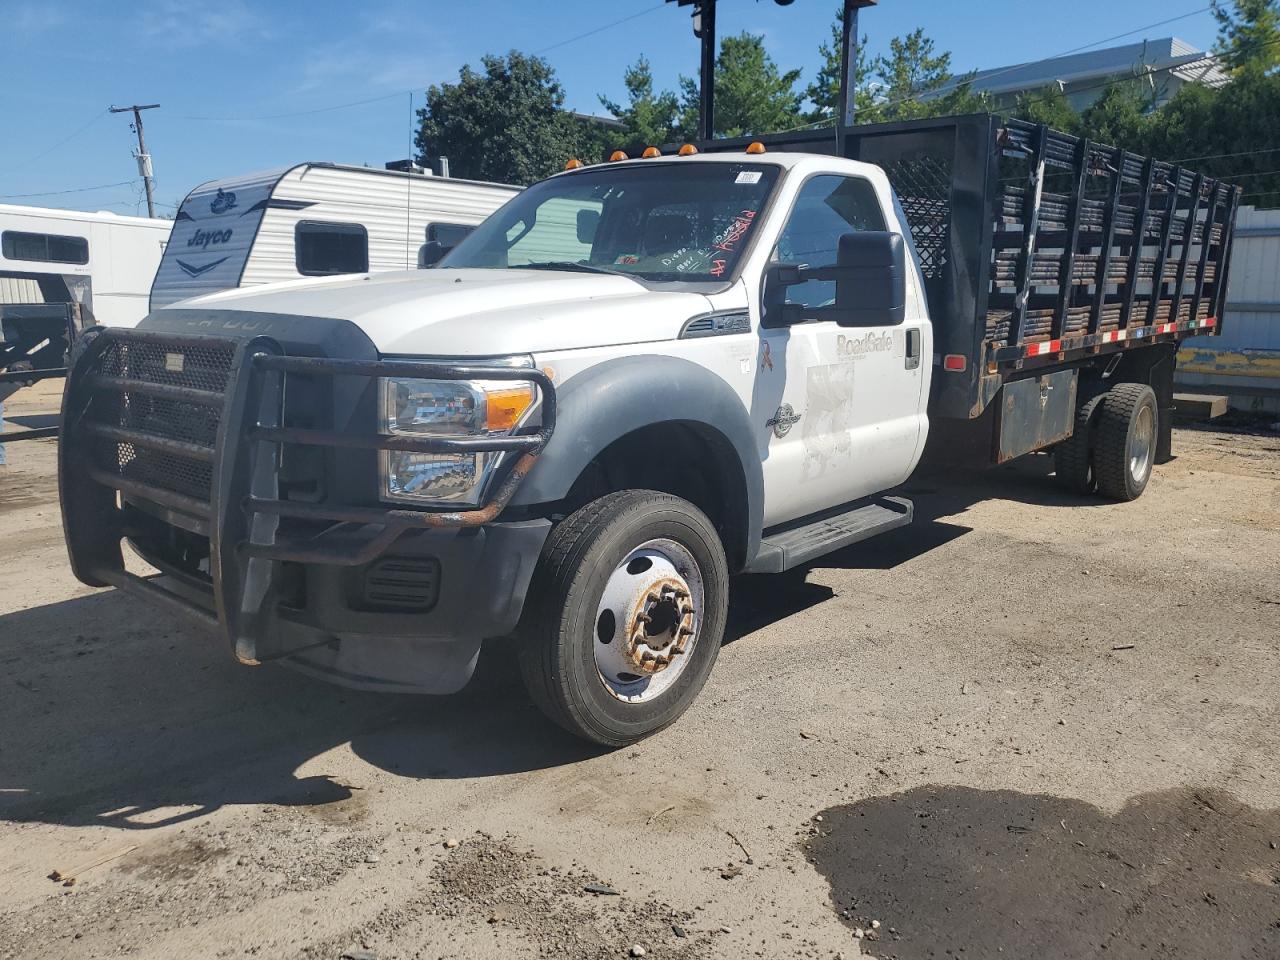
(870, 278)
(588, 221)
(431, 253)
(871, 281)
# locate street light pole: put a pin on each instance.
(849, 62)
(704, 28)
(144, 158)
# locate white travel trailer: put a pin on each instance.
(102, 262)
(314, 219)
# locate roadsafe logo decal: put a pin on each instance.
(850, 348)
(782, 421)
(224, 200)
(193, 271)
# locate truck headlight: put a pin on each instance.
(448, 408)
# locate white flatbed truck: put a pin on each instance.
(728, 366)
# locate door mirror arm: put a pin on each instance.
(870, 280)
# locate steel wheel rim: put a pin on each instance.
(645, 630)
(1144, 432)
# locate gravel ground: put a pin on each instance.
(1031, 726)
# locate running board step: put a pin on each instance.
(790, 548)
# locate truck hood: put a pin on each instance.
(475, 312)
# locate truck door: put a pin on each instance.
(850, 407)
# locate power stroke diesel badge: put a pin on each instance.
(782, 421)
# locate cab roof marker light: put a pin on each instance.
(573, 164)
(650, 153)
(616, 156)
(755, 147)
(688, 150)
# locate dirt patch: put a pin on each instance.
(487, 880)
(952, 871)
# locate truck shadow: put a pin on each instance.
(115, 715)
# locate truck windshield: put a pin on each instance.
(684, 221)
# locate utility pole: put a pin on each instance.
(144, 158)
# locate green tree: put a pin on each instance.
(914, 80)
(1048, 105)
(505, 123)
(1121, 117)
(649, 117)
(752, 95)
(1248, 34)
(911, 70)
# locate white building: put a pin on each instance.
(1162, 67)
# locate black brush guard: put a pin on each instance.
(242, 515)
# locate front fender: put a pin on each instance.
(610, 400)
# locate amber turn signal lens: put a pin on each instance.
(505, 406)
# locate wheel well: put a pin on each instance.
(686, 459)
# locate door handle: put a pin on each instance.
(913, 349)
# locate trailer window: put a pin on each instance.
(323, 249)
(826, 208)
(46, 247)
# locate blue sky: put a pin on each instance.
(224, 70)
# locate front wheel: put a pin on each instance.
(625, 616)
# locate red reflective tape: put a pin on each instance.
(1047, 346)
(1211, 322)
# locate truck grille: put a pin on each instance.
(155, 412)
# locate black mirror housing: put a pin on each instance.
(871, 281)
(431, 253)
(870, 275)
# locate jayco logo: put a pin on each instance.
(224, 200)
(853, 347)
(203, 238)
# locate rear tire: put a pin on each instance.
(1126, 440)
(604, 647)
(1073, 458)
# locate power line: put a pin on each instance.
(401, 93)
(601, 29)
(1223, 156)
(300, 113)
(959, 82)
(67, 139)
(58, 193)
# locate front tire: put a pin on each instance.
(625, 616)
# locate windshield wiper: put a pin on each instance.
(577, 266)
